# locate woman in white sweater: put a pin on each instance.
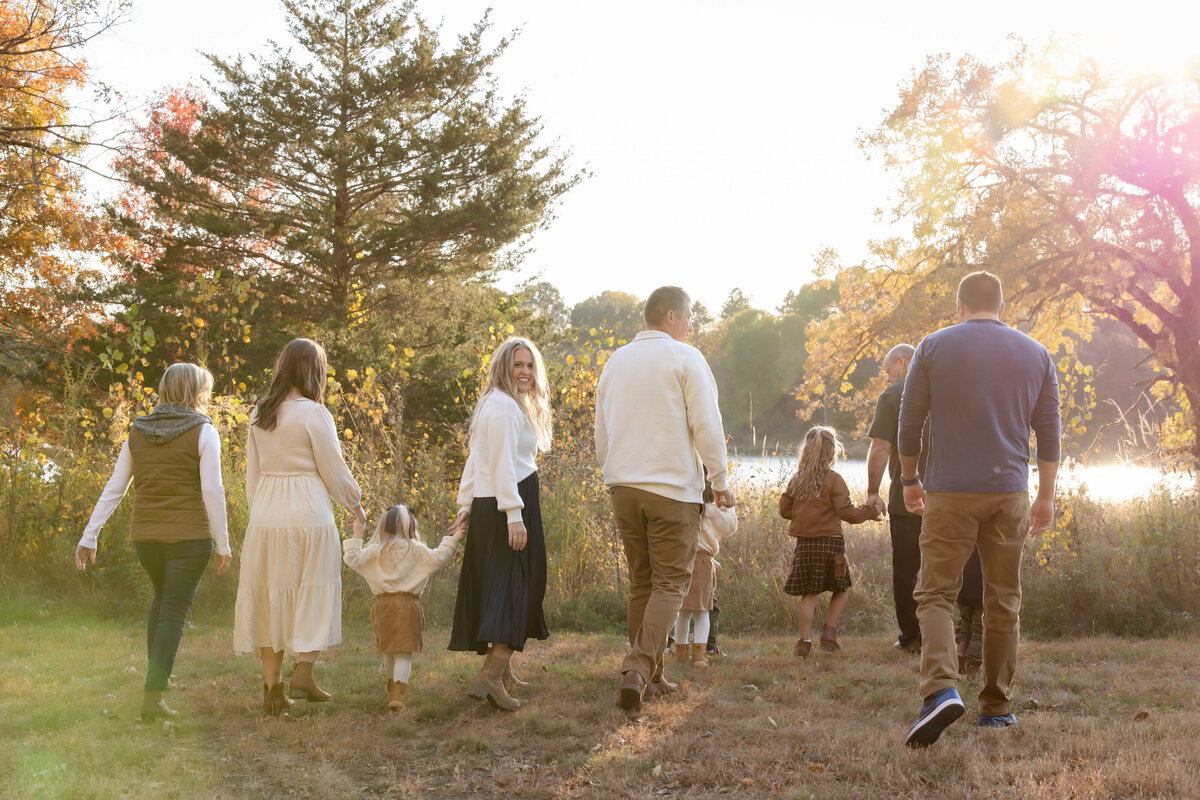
(503, 579)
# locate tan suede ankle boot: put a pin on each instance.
(397, 694)
(698, 659)
(488, 684)
(304, 685)
(682, 653)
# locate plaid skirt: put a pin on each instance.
(818, 565)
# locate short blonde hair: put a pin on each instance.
(186, 384)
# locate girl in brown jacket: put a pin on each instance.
(817, 501)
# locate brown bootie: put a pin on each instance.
(154, 707)
(304, 685)
(682, 653)
(803, 647)
(488, 684)
(829, 642)
(275, 701)
(397, 694)
(698, 659)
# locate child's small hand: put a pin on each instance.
(717, 567)
(358, 526)
(458, 534)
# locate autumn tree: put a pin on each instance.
(46, 227)
(1080, 189)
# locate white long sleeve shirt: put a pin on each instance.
(212, 489)
(657, 419)
(397, 564)
(503, 454)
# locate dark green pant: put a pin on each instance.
(174, 569)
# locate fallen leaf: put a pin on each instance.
(657, 770)
(774, 724)
(1141, 715)
(817, 768)
(747, 781)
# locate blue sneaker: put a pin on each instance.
(997, 720)
(940, 709)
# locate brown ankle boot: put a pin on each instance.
(304, 685)
(154, 707)
(682, 654)
(698, 659)
(510, 679)
(397, 694)
(803, 647)
(829, 642)
(275, 701)
(488, 684)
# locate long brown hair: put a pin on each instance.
(300, 364)
(818, 454)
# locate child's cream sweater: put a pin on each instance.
(398, 564)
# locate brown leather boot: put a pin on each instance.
(304, 685)
(803, 647)
(698, 659)
(397, 694)
(275, 701)
(829, 642)
(154, 707)
(488, 684)
(682, 653)
(510, 679)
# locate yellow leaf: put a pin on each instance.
(510, 328)
(351, 374)
(108, 412)
(349, 434)
(409, 352)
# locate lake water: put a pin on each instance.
(1114, 483)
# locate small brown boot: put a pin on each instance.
(488, 684)
(803, 647)
(154, 707)
(304, 685)
(275, 701)
(682, 654)
(829, 642)
(397, 694)
(698, 659)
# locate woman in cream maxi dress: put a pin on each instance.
(290, 587)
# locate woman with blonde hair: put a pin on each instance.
(290, 585)
(503, 578)
(173, 459)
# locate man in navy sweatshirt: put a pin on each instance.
(983, 386)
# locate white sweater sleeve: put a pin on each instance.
(502, 429)
(704, 418)
(466, 486)
(212, 488)
(252, 467)
(110, 498)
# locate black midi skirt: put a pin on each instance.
(500, 590)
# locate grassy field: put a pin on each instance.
(1100, 718)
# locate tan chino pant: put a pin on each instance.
(660, 537)
(953, 524)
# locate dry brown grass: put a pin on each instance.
(1100, 718)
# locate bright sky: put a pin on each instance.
(721, 136)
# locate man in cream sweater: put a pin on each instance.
(657, 422)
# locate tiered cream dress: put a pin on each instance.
(290, 585)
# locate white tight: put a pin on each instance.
(398, 666)
(700, 635)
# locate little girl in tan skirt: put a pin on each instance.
(396, 565)
(715, 524)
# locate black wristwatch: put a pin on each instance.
(909, 481)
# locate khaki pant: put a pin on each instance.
(660, 537)
(954, 523)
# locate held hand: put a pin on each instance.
(223, 563)
(724, 499)
(458, 534)
(914, 498)
(1041, 514)
(517, 535)
(84, 555)
(358, 527)
(360, 515)
(717, 567)
(877, 501)
(461, 522)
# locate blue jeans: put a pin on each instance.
(174, 569)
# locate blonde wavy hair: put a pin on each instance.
(535, 403)
(187, 384)
(818, 454)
